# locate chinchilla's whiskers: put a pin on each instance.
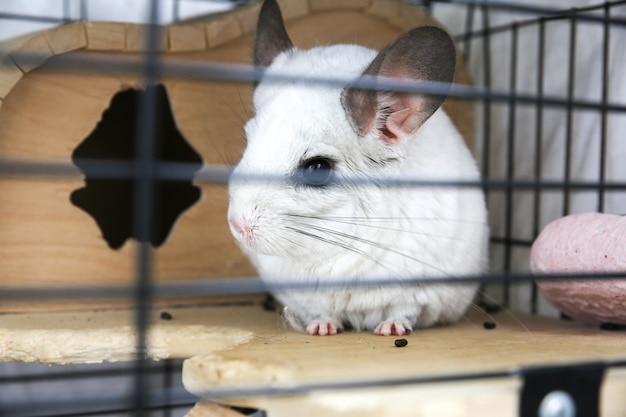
(371, 243)
(506, 311)
(222, 154)
(386, 219)
(280, 240)
(337, 243)
(241, 120)
(293, 243)
(371, 223)
(395, 229)
(244, 107)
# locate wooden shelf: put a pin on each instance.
(240, 347)
(278, 358)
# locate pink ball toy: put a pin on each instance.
(581, 243)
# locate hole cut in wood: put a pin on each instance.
(110, 201)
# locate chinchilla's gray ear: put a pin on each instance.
(422, 54)
(271, 35)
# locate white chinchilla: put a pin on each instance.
(302, 224)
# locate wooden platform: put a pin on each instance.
(244, 347)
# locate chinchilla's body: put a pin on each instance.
(317, 210)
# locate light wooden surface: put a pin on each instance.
(497, 397)
(276, 358)
(46, 241)
(518, 339)
(243, 347)
(66, 38)
(284, 358)
(109, 335)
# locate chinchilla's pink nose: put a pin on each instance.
(241, 229)
(236, 226)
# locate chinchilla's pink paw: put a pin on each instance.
(390, 328)
(323, 328)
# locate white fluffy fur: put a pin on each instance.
(417, 231)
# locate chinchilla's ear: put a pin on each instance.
(271, 35)
(422, 54)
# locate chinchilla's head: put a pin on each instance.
(307, 137)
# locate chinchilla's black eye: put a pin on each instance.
(316, 172)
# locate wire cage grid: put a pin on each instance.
(513, 153)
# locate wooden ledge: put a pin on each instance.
(239, 347)
(277, 358)
(216, 336)
(109, 335)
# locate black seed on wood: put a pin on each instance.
(401, 342)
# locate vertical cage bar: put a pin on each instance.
(486, 151)
(469, 24)
(487, 100)
(541, 45)
(67, 13)
(144, 205)
(176, 10)
(571, 80)
(83, 13)
(605, 98)
(510, 173)
(168, 384)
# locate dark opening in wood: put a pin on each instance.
(110, 200)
